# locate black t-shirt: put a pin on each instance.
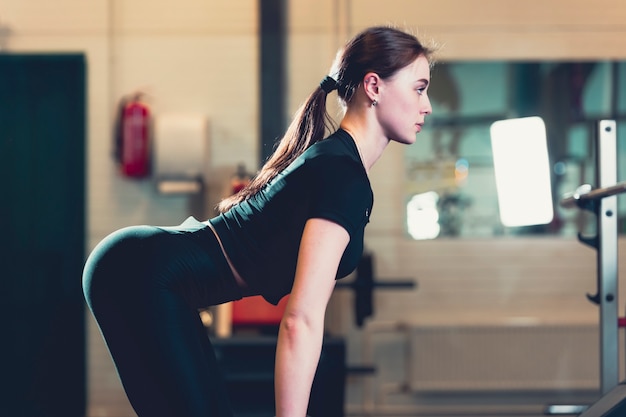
(261, 235)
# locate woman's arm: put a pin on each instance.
(302, 327)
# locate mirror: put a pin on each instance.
(453, 159)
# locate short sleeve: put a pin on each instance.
(341, 193)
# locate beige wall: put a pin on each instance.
(196, 56)
(189, 56)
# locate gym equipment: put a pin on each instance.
(248, 361)
(363, 286)
(611, 405)
(602, 202)
(247, 364)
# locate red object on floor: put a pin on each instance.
(621, 322)
(255, 311)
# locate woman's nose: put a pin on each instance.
(427, 109)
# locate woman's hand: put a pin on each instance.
(302, 327)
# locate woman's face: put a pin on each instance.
(403, 101)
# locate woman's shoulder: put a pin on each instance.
(337, 145)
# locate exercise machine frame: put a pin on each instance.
(602, 201)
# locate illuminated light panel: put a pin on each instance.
(522, 170)
(422, 216)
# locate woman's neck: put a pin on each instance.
(369, 143)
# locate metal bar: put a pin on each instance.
(578, 197)
(606, 168)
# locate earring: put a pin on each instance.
(375, 103)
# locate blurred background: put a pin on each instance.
(496, 321)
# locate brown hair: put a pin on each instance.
(383, 50)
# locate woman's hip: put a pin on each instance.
(138, 262)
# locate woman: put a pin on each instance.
(296, 228)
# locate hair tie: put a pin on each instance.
(328, 84)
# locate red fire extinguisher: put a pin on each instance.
(133, 137)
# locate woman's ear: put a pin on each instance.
(371, 85)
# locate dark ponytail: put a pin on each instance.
(310, 124)
(383, 50)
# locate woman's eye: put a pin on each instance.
(421, 90)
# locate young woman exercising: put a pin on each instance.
(295, 229)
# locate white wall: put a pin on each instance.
(189, 56)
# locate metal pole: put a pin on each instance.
(602, 201)
(606, 168)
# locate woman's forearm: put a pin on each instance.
(302, 327)
(297, 356)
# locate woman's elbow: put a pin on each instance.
(296, 324)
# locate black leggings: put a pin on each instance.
(144, 286)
